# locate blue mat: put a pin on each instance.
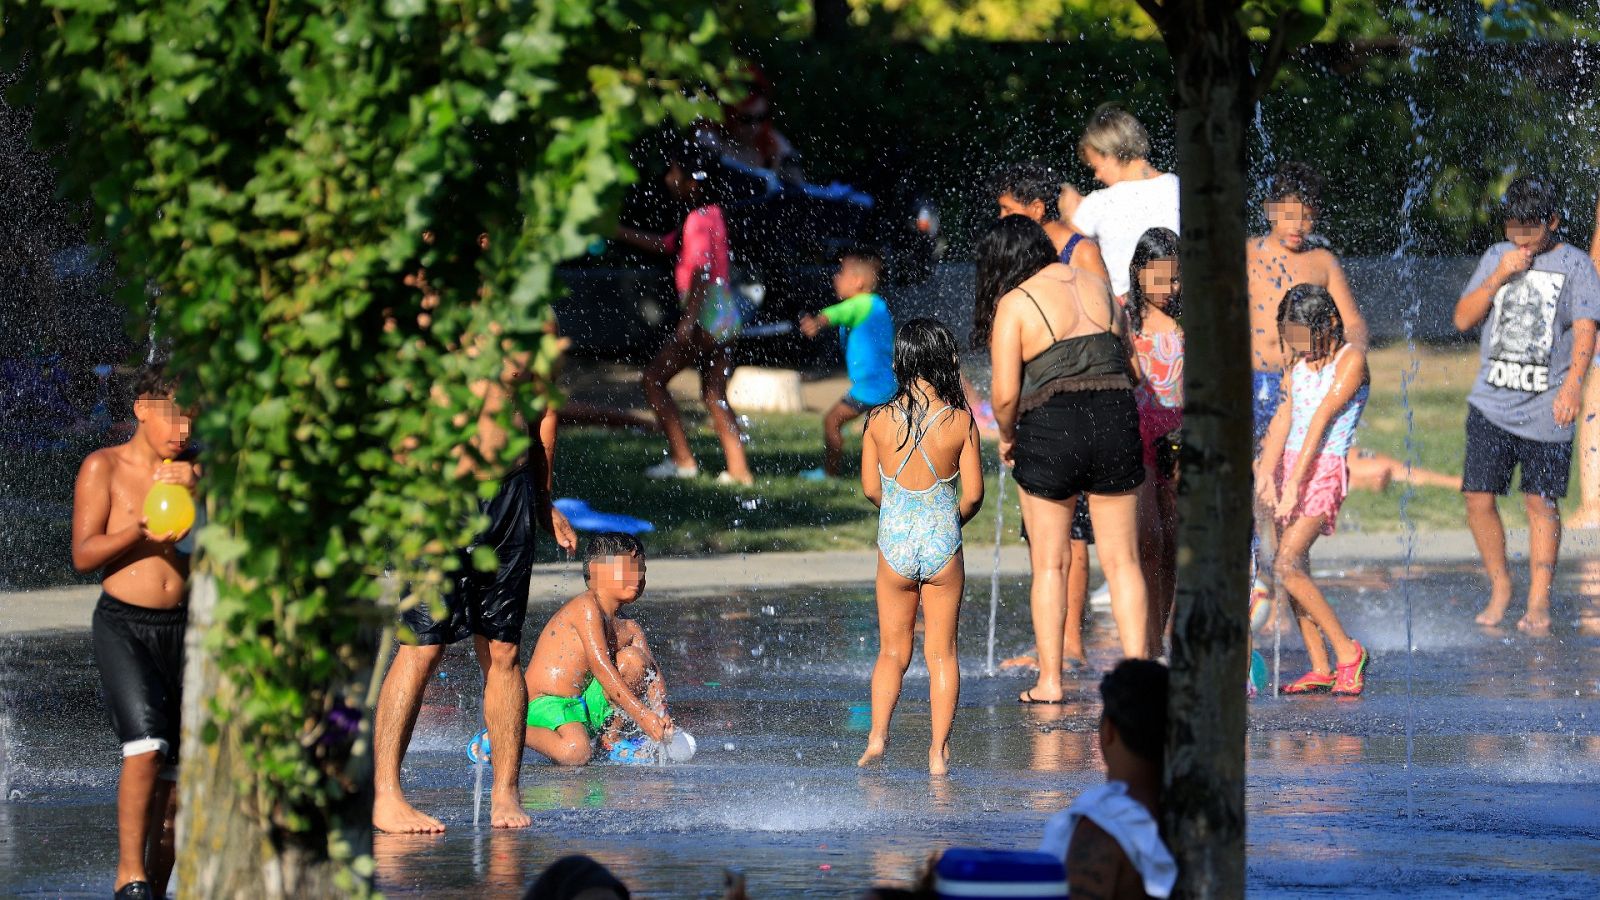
(585, 519)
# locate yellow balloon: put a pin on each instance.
(168, 509)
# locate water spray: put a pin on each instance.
(994, 575)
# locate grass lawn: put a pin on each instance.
(785, 512)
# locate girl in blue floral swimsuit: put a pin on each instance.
(915, 447)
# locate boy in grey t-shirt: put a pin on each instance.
(1538, 301)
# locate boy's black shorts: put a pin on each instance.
(1492, 452)
(139, 652)
(492, 604)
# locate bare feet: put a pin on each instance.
(1585, 517)
(507, 812)
(939, 760)
(1535, 621)
(1025, 661)
(1071, 663)
(393, 815)
(875, 748)
(1499, 599)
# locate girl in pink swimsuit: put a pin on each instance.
(1154, 305)
(1302, 475)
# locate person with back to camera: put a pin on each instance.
(1110, 837)
(1032, 189)
(867, 332)
(1303, 477)
(1136, 197)
(700, 273)
(915, 447)
(1063, 396)
(1154, 306)
(139, 623)
(1538, 300)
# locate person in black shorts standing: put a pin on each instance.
(1063, 399)
(139, 622)
(488, 607)
(1538, 300)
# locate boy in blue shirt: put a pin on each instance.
(1538, 300)
(867, 333)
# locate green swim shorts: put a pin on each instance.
(590, 709)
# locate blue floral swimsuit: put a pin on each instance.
(919, 531)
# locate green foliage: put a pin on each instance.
(265, 174)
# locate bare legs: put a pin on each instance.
(398, 704)
(897, 616)
(505, 707)
(570, 744)
(1049, 524)
(1077, 599)
(715, 362)
(833, 437)
(505, 711)
(146, 805)
(1317, 618)
(1483, 517)
(1116, 544)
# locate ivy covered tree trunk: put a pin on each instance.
(273, 178)
(1203, 801)
(227, 851)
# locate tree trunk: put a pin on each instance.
(224, 848)
(1203, 803)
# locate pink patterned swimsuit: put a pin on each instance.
(1329, 479)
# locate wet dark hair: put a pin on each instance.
(570, 876)
(1155, 244)
(1133, 697)
(1013, 250)
(924, 349)
(1531, 198)
(1030, 181)
(1297, 180)
(1312, 306)
(607, 544)
(152, 382)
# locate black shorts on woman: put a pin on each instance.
(1078, 428)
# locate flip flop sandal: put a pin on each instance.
(1350, 680)
(478, 748)
(1309, 683)
(630, 752)
(1027, 698)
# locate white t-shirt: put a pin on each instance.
(1116, 217)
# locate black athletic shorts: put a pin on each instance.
(139, 652)
(1080, 442)
(492, 604)
(1492, 452)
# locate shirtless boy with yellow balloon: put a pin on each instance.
(131, 507)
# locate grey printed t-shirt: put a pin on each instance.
(1526, 345)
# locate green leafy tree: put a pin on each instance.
(265, 175)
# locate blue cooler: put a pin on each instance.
(993, 874)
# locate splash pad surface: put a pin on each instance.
(773, 683)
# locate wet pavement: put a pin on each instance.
(1502, 795)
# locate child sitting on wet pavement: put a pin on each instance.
(1109, 837)
(590, 662)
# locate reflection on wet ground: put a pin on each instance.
(1502, 794)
